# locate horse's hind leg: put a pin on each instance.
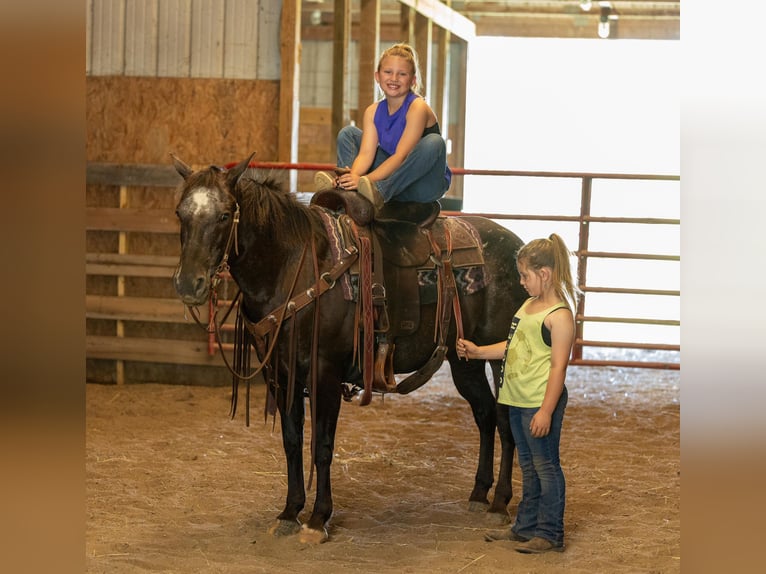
(504, 488)
(471, 382)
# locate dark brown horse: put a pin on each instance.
(262, 233)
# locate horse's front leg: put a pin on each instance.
(292, 422)
(327, 409)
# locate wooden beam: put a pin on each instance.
(151, 309)
(578, 26)
(131, 219)
(132, 175)
(151, 350)
(444, 16)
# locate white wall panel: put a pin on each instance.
(207, 38)
(241, 39)
(141, 32)
(184, 38)
(108, 37)
(174, 47)
(269, 63)
(88, 35)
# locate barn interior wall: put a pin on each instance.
(202, 120)
(141, 120)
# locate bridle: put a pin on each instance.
(223, 266)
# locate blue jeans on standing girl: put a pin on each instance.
(541, 510)
(419, 178)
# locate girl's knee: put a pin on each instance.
(434, 143)
(348, 132)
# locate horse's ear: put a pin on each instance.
(236, 172)
(181, 167)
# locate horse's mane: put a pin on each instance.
(264, 201)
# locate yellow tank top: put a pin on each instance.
(527, 361)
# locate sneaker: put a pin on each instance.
(538, 545)
(323, 181)
(370, 191)
(505, 534)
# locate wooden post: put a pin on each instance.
(407, 24)
(423, 41)
(289, 85)
(369, 46)
(441, 92)
(341, 39)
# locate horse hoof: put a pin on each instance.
(284, 528)
(498, 518)
(477, 506)
(311, 536)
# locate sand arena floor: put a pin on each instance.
(174, 485)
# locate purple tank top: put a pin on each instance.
(391, 127)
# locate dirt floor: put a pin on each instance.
(174, 485)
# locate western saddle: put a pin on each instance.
(398, 247)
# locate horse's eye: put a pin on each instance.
(224, 217)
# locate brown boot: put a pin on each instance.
(370, 191)
(538, 545)
(505, 534)
(323, 181)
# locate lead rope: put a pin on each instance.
(314, 366)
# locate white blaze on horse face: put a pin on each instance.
(201, 201)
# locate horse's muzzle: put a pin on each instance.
(193, 289)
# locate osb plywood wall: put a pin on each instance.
(203, 121)
(137, 120)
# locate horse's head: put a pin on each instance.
(208, 212)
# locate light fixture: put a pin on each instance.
(316, 18)
(585, 5)
(603, 19)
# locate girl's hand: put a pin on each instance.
(465, 349)
(540, 424)
(348, 181)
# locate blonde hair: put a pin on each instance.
(552, 253)
(406, 52)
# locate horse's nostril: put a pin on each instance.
(200, 284)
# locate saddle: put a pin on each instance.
(400, 247)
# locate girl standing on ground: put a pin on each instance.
(536, 356)
(399, 153)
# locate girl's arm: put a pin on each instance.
(367, 150)
(561, 325)
(468, 350)
(417, 117)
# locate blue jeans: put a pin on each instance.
(419, 178)
(543, 491)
